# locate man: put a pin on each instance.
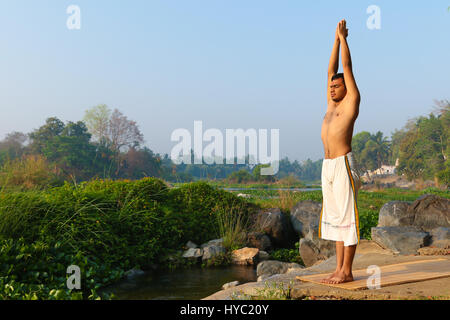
(339, 219)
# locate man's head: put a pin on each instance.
(338, 89)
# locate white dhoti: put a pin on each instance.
(339, 219)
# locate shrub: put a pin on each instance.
(29, 172)
(195, 204)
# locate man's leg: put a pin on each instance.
(339, 261)
(345, 274)
(345, 190)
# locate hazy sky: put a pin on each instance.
(232, 64)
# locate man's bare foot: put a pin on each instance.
(327, 279)
(341, 277)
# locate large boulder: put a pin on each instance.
(270, 267)
(211, 251)
(277, 226)
(440, 237)
(259, 240)
(263, 255)
(401, 239)
(245, 256)
(308, 252)
(327, 248)
(305, 217)
(395, 213)
(431, 211)
(193, 253)
(215, 242)
(406, 227)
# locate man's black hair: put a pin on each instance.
(337, 76)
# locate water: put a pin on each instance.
(272, 189)
(183, 284)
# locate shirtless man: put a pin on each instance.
(339, 219)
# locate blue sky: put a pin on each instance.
(232, 64)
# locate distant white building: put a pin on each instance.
(385, 169)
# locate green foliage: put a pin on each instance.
(287, 255)
(68, 146)
(423, 146)
(32, 271)
(444, 176)
(232, 226)
(241, 176)
(193, 205)
(29, 172)
(274, 291)
(257, 176)
(105, 227)
(371, 151)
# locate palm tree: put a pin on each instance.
(382, 148)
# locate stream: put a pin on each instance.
(183, 284)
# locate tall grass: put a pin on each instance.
(28, 172)
(232, 226)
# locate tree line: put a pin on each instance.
(106, 144)
(421, 147)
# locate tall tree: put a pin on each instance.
(123, 132)
(12, 146)
(371, 150)
(97, 121)
(40, 137)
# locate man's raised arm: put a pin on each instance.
(350, 83)
(334, 63)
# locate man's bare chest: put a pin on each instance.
(333, 118)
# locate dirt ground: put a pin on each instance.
(367, 253)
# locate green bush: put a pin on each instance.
(106, 227)
(287, 255)
(37, 270)
(195, 204)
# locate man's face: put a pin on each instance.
(338, 90)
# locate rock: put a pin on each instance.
(230, 284)
(263, 255)
(395, 213)
(294, 268)
(277, 226)
(193, 253)
(431, 211)
(211, 251)
(271, 267)
(259, 240)
(190, 244)
(440, 237)
(263, 277)
(327, 248)
(403, 240)
(132, 273)
(309, 252)
(216, 242)
(429, 251)
(305, 216)
(245, 256)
